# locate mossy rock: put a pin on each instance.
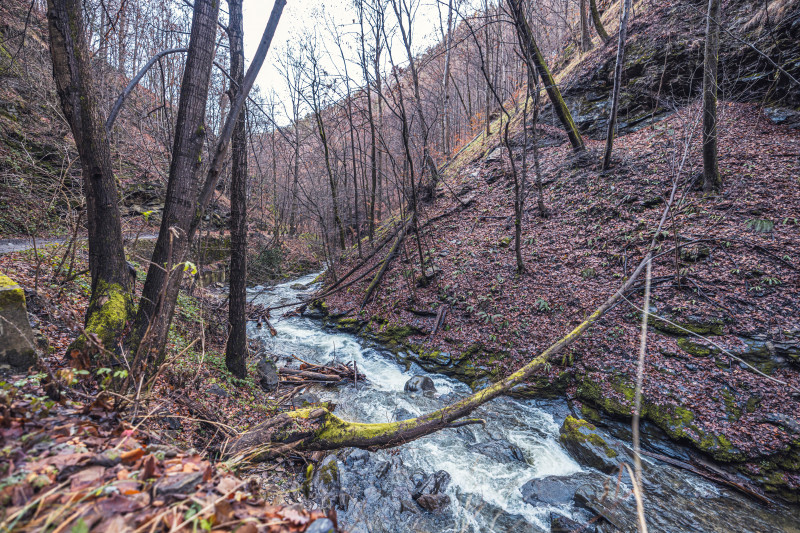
(696, 348)
(582, 441)
(679, 326)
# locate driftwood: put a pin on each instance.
(309, 373)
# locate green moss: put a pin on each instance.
(696, 349)
(11, 294)
(675, 326)
(112, 306)
(579, 430)
(731, 407)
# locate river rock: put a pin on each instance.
(499, 450)
(401, 413)
(268, 378)
(298, 287)
(304, 399)
(554, 490)
(433, 484)
(16, 337)
(325, 483)
(419, 384)
(584, 443)
(561, 524)
(321, 525)
(434, 503)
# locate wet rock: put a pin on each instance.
(316, 309)
(298, 287)
(268, 378)
(402, 413)
(783, 115)
(16, 336)
(434, 503)
(325, 482)
(304, 399)
(216, 390)
(554, 490)
(584, 443)
(321, 525)
(356, 456)
(499, 450)
(419, 384)
(561, 524)
(427, 485)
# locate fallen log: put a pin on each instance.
(316, 428)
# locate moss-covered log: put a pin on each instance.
(559, 106)
(316, 428)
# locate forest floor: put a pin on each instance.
(73, 452)
(727, 272)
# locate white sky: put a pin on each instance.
(304, 16)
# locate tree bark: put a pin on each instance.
(236, 347)
(183, 207)
(110, 304)
(612, 119)
(559, 106)
(160, 291)
(598, 24)
(711, 177)
(586, 41)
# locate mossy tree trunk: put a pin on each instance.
(612, 119)
(711, 178)
(110, 304)
(598, 24)
(236, 347)
(559, 106)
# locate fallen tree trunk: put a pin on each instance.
(315, 428)
(386, 262)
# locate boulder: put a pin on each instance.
(16, 336)
(304, 399)
(554, 490)
(268, 377)
(561, 524)
(583, 442)
(499, 450)
(298, 287)
(420, 384)
(434, 503)
(428, 485)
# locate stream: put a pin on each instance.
(486, 467)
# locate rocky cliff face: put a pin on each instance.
(664, 63)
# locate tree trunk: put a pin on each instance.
(236, 348)
(586, 41)
(559, 106)
(612, 119)
(160, 292)
(110, 304)
(711, 177)
(183, 207)
(598, 24)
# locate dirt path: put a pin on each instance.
(8, 246)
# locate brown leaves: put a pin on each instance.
(90, 472)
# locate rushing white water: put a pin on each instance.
(485, 488)
(521, 423)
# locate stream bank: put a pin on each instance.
(518, 472)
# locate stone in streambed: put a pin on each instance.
(555, 490)
(298, 287)
(583, 442)
(434, 503)
(499, 450)
(268, 377)
(321, 525)
(419, 384)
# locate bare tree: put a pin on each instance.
(612, 119)
(711, 177)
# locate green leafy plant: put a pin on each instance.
(542, 305)
(760, 225)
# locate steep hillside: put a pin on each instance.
(724, 346)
